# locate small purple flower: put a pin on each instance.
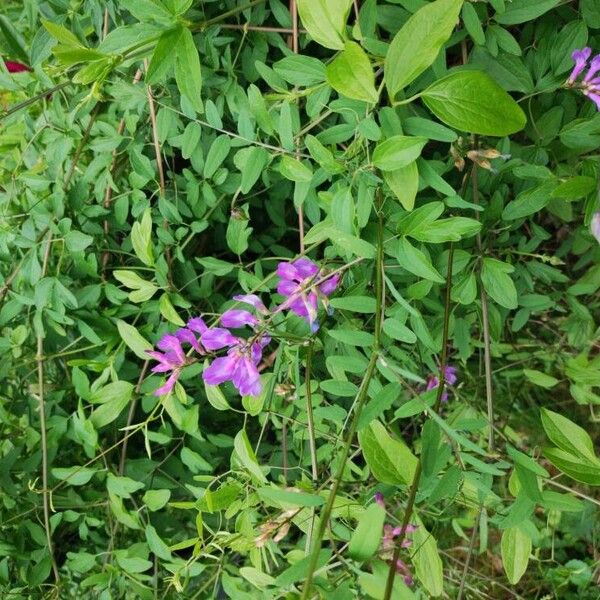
(449, 377)
(595, 226)
(297, 284)
(379, 499)
(594, 68)
(581, 58)
(172, 358)
(186, 336)
(238, 318)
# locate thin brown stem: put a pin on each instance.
(43, 437)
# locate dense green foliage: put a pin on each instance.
(161, 156)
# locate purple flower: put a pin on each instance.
(239, 366)
(238, 318)
(172, 358)
(186, 336)
(594, 68)
(580, 57)
(297, 284)
(379, 499)
(449, 377)
(595, 226)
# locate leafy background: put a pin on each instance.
(163, 155)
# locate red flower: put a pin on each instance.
(16, 67)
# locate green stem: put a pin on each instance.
(326, 513)
(311, 437)
(389, 584)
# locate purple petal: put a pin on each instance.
(305, 267)
(450, 375)
(253, 300)
(432, 383)
(379, 499)
(246, 377)
(197, 324)
(595, 226)
(288, 288)
(287, 271)
(184, 335)
(594, 68)
(168, 386)
(217, 338)
(220, 370)
(170, 343)
(329, 285)
(580, 57)
(238, 318)
(594, 98)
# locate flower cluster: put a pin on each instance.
(390, 533)
(301, 282)
(450, 378)
(590, 84)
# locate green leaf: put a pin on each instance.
(245, 454)
(294, 170)
(404, 182)
(122, 486)
(215, 397)
(134, 339)
(188, 73)
(351, 243)
(325, 21)
(426, 559)
(472, 101)
(575, 188)
(111, 392)
(73, 475)
(251, 162)
(284, 498)
(398, 331)
(473, 24)
(567, 435)
(529, 202)
(253, 405)
(497, 282)
(351, 74)
(447, 230)
(111, 409)
(418, 43)
(167, 310)
(360, 304)
(539, 378)
(580, 469)
(14, 40)
(141, 238)
(301, 70)
(156, 545)
(416, 262)
(389, 459)
(156, 499)
(77, 241)
(217, 153)
(62, 34)
(367, 535)
(515, 548)
(520, 11)
(163, 57)
(397, 152)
